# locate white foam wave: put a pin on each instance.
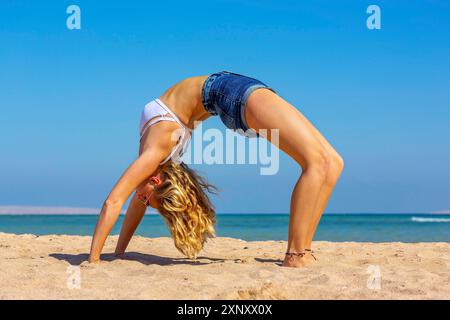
(422, 219)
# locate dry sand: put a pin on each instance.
(38, 267)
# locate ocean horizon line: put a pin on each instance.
(67, 210)
(76, 213)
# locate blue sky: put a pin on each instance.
(71, 99)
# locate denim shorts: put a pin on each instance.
(225, 94)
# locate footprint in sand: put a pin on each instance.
(246, 260)
(320, 280)
(267, 274)
(266, 291)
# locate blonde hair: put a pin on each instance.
(186, 208)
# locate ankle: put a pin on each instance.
(310, 253)
(292, 253)
(299, 247)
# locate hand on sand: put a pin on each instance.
(94, 260)
(119, 255)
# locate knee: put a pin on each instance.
(319, 164)
(327, 166)
(335, 168)
(341, 164)
(338, 163)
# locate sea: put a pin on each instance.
(253, 227)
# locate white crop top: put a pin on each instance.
(156, 111)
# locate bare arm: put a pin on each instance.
(135, 213)
(160, 136)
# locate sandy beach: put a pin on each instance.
(39, 267)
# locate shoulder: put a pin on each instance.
(162, 135)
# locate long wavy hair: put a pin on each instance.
(186, 208)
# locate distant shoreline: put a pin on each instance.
(32, 210)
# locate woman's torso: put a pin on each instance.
(184, 99)
(224, 93)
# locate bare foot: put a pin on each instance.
(295, 261)
(309, 258)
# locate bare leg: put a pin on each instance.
(266, 110)
(303, 201)
(133, 217)
(333, 174)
